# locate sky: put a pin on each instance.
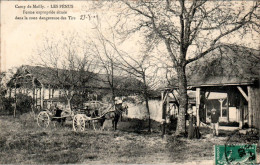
(20, 38)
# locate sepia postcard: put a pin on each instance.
(130, 82)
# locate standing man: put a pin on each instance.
(215, 121)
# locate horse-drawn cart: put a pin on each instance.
(60, 114)
(82, 121)
(92, 116)
(46, 116)
(96, 120)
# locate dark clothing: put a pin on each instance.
(193, 130)
(214, 116)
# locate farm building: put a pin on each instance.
(45, 84)
(227, 80)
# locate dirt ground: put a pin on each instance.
(23, 142)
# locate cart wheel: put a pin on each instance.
(43, 119)
(78, 123)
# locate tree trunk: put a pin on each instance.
(15, 99)
(147, 102)
(148, 111)
(113, 95)
(183, 101)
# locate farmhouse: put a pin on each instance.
(44, 84)
(227, 80)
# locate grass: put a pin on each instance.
(22, 141)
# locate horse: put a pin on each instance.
(114, 115)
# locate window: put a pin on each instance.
(224, 112)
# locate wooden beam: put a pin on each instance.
(241, 110)
(52, 93)
(49, 88)
(228, 106)
(207, 96)
(164, 95)
(198, 105)
(36, 97)
(42, 95)
(221, 108)
(242, 92)
(250, 114)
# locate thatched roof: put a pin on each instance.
(229, 65)
(50, 76)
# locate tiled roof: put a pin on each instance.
(229, 65)
(48, 76)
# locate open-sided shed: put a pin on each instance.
(233, 70)
(44, 83)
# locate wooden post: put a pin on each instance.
(162, 107)
(228, 106)
(15, 103)
(33, 98)
(163, 97)
(33, 91)
(167, 103)
(36, 97)
(221, 108)
(49, 91)
(250, 115)
(52, 93)
(241, 109)
(42, 95)
(197, 105)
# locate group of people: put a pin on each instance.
(193, 130)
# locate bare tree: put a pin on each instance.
(187, 30)
(141, 69)
(113, 59)
(68, 62)
(105, 59)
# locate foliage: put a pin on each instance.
(78, 100)
(6, 105)
(24, 103)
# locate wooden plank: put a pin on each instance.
(207, 96)
(197, 105)
(221, 106)
(49, 88)
(249, 106)
(42, 95)
(241, 110)
(242, 92)
(228, 106)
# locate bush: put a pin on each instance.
(6, 106)
(24, 103)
